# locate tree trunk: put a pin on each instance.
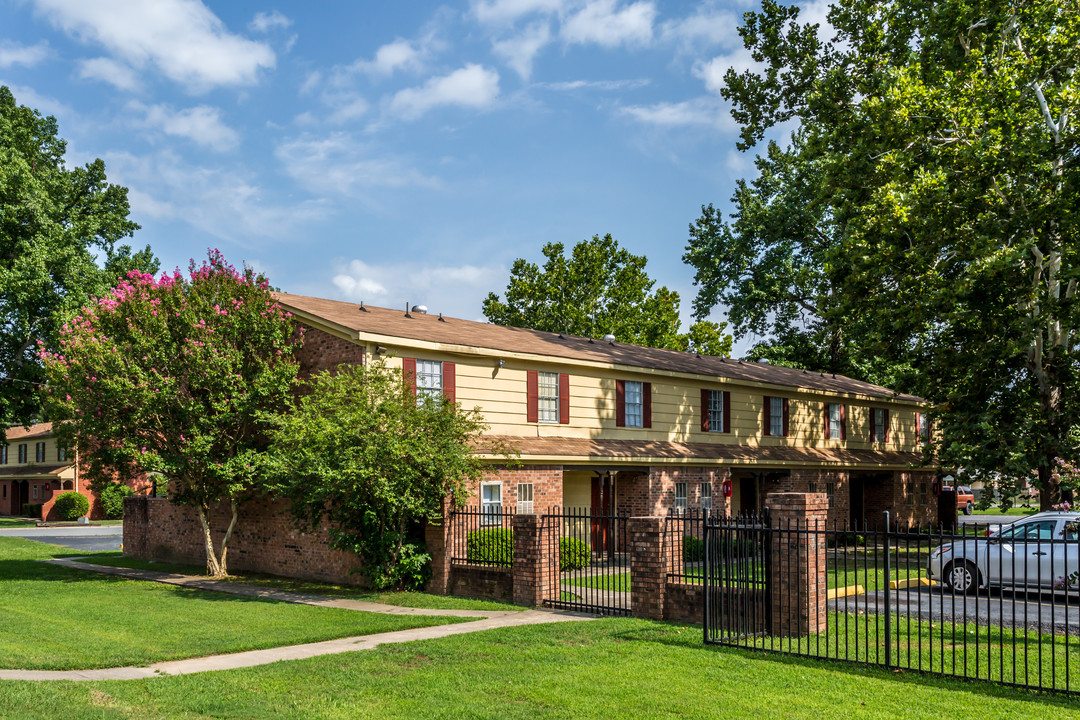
(215, 560)
(1049, 491)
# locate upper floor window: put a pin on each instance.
(680, 497)
(3, 455)
(61, 454)
(428, 379)
(835, 421)
(548, 397)
(633, 404)
(715, 411)
(39, 452)
(879, 425)
(924, 426)
(22, 452)
(776, 416)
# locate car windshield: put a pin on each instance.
(1041, 530)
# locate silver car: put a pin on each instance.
(1039, 552)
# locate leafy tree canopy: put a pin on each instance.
(360, 452)
(599, 289)
(54, 224)
(176, 375)
(936, 161)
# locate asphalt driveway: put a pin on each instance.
(92, 538)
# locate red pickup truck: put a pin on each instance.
(965, 499)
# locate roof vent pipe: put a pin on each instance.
(421, 309)
(610, 339)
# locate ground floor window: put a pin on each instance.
(491, 503)
(35, 492)
(680, 497)
(706, 496)
(525, 498)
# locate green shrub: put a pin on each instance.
(693, 549)
(32, 510)
(112, 500)
(413, 567)
(72, 505)
(573, 554)
(490, 546)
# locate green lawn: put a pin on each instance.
(1017, 511)
(16, 522)
(612, 668)
(404, 599)
(53, 617)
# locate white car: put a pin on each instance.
(1039, 552)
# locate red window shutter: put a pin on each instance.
(532, 399)
(767, 416)
(885, 419)
(408, 368)
(564, 399)
(727, 412)
(646, 405)
(785, 417)
(843, 422)
(620, 403)
(449, 381)
(873, 425)
(828, 421)
(704, 410)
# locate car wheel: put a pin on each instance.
(962, 577)
(968, 509)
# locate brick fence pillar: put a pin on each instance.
(648, 569)
(136, 526)
(535, 560)
(798, 582)
(439, 541)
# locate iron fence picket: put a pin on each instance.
(601, 584)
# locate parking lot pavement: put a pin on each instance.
(1046, 612)
(92, 538)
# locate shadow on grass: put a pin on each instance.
(684, 636)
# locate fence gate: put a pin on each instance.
(738, 605)
(590, 561)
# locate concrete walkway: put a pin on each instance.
(486, 620)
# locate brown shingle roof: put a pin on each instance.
(27, 470)
(596, 449)
(393, 323)
(18, 432)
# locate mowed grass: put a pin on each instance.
(403, 599)
(16, 522)
(612, 668)
(57, 618)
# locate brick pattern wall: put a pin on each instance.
(487, 583)
(653, 493)
(323, 351)
(798, 564)
(913, 500)
(836, 484)
(547, 482)
(535, 568)
(266, 539)
(648, 567)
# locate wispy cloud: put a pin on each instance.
(603, 22)
(472, 86)
(520, 50)
(698, 111)
(267, 21)
(610, 85)
(202, 124)
(507, 12)
(12, 53)
(338, 164)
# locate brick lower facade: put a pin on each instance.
(546, 481)
(323, 351)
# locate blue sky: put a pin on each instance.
(393, 152)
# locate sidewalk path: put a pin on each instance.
(487, 620)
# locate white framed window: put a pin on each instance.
(39, 452)
(836, 421)
(716, 411)
(35, 492)
(491, 503)
(706, 496)
(429, 382)
(881, 424)
(525, 498)
(634, 404)
(776, 416)
(680, 497)
(548, 397)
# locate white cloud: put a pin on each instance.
(570, 85)
(398, 55)
(267, 21)
(699, 111)
(600, 22)
(181, 38)
(507, 12)
(708, 26)
(339, 165)
(42, 103)
(454, 290)
(12, 53)
(107, 70)
(226, 203)
(520, 51)
(349, 109)
(471, 86)
(712, 72)
(202, 124)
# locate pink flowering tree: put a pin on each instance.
(177, 375)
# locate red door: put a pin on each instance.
(601, 508)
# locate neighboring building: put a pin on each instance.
(614, 427)
(35, 468)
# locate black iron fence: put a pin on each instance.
(590, 561)
(987, 602)
(482, 536)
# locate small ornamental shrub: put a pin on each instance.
(413, 568)
(32, 510)
(491, 546)
(112, 500)
(72, 505)
(693, 549)
(573, 554)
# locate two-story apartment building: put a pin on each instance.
(614, 427)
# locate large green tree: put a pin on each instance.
(941, 148)
(55, 224)
(178, 376)
(599, 289)
(361, 453)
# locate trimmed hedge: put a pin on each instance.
(72, 505)
(112, 500)
(32, 510)
(495, 546)
(693, 549)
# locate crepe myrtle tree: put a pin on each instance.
(175, 376)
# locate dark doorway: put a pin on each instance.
(857, 502)
(748, 495)
(602, 505)
(20, 497)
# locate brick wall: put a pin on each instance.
(488, 583)
(266, 539)
(653, 493)
(836, 484)
(547, 482)
(323, 351)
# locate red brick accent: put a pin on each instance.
(323, 351)
(648, 569)
(798, 562)
(532, 569)
(653, 494)
(266, 539)
(547, 482)
(488, 583)
(684, 603)
(439, 545)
